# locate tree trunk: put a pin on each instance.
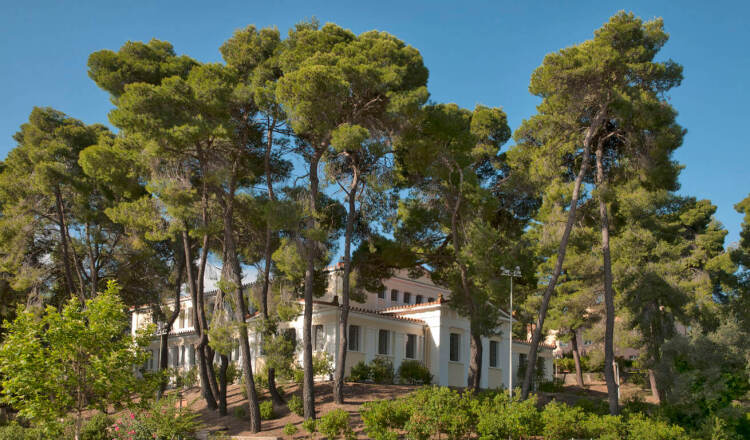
(475, 361)
(223, 365)
(240, 309)
(654, 387)
(308, 390)
(338, 384)
(577, 358)
(208, 394)
(537, 335)
(64, 243)
(609, 297)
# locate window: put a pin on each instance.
(411, 346)
(318, 337)
(394, 295)
(189, 317)
(419, 300)
(384, 342)
(493, 353)
(407, 298)
(191, 355)
(381, 294)
(353, 340)
(587, 342)
(455, 347)
(521, 361)
(430, 299)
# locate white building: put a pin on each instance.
(409, 319)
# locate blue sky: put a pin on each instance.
(477, 52)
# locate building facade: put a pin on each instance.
(411, 319)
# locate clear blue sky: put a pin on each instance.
(477, 52)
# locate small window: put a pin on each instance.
(455, 347)
(411, 346)
(587, 342)
(384, 342)
(353, 339)
(430, 299)
(319, 337)
(407, 298)
(419, 300)
(290, 334)
(493, 354)
(521, 361)
(394, 295)
(381, 294)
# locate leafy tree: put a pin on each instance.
(603, 97)
(333, 77)
(152, 89)
(55, 234)
(85, 351)
(740, 300)
(446, 164)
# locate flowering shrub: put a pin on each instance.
(162, 420)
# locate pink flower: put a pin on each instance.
(132, 416)
(117, 428)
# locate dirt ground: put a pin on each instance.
(355, 395)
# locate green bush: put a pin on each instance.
(562, 422)
(381, 370)
(290, 429)
(96, 427)
(603, 427)
(600, 407)
(240, 412)
(189, 377)
(383, 418)
(500, 417)
(641, 428)
(161, 419)
(322, 364)
(334, 424)
(554, 386)
(413, 372)
(360, 372)
(294, 404)
(266, 410)
(310, 427)
(440, 410)
(14, 431)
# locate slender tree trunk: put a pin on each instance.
(64, 243)
(164, 337)
(223, 365)
(272, 390)
(576, 358)
(654, 387)
(338, 384)
(609, 297)
(208, 394)
(475, 360)
(537, 335)
(310, 249)
(240, 309)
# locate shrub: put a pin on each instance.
(188, 378)
(360, 372)
(499, 416)
(266, 410)
(96, 427)
(413, 372)
(641, 428)
(382, 418)
(290, 429)
(298, 375)
(160, 419)
(335, 423)
(295, 405)
(562, 422)
(310, 426)
(600, 407)
(554, 386)
(233, 373)
(240, 412)
(440, 410)
(322, 364)
(603, 427)
(382, 370)
(14, 431)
